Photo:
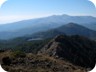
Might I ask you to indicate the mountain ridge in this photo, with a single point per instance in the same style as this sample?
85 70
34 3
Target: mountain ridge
75 49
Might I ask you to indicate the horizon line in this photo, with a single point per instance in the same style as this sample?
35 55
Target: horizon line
25 19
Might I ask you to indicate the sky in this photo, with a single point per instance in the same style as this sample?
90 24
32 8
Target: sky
16 10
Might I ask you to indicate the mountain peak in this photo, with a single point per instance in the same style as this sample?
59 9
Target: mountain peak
65 15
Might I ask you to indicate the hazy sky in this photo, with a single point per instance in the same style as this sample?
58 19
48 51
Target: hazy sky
14 10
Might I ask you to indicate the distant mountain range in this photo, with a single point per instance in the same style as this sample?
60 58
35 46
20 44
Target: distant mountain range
27 27
55 21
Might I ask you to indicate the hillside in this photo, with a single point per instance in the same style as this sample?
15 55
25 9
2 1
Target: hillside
75 49
68 29
24 44
75 29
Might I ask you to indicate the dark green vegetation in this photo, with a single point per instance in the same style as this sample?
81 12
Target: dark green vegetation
23 44
63 53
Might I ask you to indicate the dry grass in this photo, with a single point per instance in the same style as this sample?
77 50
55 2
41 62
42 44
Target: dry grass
39 63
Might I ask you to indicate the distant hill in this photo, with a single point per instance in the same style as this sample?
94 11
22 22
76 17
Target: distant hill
75 29
27 27
68 29
75 49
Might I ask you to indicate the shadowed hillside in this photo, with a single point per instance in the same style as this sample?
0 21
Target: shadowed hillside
75 49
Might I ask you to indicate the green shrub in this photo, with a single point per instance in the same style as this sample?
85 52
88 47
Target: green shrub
18 54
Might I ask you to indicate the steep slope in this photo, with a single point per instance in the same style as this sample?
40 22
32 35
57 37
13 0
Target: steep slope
69 29
75 49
